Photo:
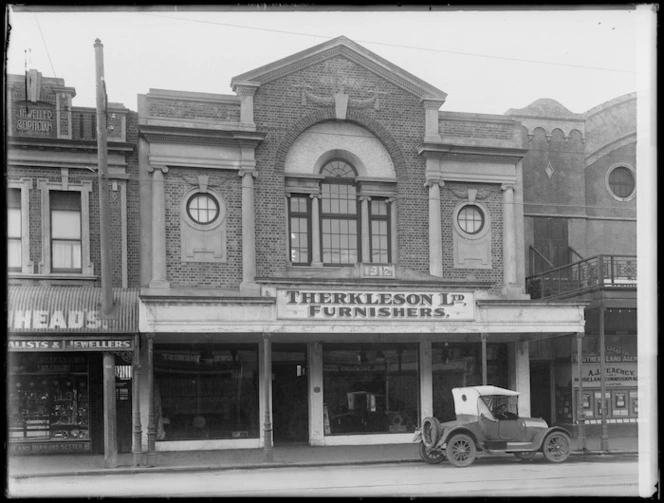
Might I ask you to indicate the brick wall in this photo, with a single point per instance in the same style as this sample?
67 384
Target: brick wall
228 185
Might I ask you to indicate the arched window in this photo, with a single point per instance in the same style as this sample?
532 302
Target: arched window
339 215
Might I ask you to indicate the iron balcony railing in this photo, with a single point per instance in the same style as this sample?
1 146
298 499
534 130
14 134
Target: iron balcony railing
601 271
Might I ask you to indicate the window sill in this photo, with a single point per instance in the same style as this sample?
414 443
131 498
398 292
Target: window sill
19 277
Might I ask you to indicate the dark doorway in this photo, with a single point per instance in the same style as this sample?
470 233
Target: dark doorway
290 393
123 403
540 390
551 240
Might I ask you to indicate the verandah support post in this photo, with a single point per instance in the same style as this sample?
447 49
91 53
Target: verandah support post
110 413
136 446
152 430
579 408
604 439
484 367
267 366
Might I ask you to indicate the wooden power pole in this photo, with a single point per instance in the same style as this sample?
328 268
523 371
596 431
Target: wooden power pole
110 410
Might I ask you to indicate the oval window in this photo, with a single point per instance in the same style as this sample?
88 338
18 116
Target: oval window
470 219
621 182
202 208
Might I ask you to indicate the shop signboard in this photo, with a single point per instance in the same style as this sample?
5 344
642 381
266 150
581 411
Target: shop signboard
623 374
72 446
362 305
69 344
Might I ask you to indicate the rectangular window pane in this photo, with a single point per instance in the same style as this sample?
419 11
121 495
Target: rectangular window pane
206 392
14 254
66 255
372 389
65 224
299 230
65 200
14 222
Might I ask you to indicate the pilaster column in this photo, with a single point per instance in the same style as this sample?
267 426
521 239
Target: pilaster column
366 234
316 260
435 231
248 285
426 379
158 227
110 413
316 405
246 91
509 240
431 107
521 361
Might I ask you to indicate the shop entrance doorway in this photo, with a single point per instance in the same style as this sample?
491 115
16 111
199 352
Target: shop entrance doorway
290 394
540 390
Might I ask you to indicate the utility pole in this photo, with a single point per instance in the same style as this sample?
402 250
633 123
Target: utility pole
110 411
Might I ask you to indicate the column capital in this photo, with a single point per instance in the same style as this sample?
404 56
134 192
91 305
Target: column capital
432 103
508 186
434 180
247 171
315 195
149 336
364 198
246 88
161 167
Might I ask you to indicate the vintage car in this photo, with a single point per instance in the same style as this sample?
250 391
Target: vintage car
487 421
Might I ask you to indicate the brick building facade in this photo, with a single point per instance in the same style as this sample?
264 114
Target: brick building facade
56 336
325 254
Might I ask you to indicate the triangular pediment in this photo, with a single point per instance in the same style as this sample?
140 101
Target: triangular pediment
341 46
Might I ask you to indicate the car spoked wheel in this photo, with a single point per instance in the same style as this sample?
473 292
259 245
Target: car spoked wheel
430 431
461 450
431 456
556 447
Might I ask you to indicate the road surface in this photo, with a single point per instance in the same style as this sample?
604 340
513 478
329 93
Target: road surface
596 476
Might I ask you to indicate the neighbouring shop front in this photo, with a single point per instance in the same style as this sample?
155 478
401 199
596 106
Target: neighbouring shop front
56 342
330 366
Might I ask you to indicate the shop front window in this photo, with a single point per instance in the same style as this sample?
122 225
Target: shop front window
48 402
460 364
372 389
206 392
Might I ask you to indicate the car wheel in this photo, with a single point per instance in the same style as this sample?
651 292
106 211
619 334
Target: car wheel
431 456
461 450
430 431
556 447
525 455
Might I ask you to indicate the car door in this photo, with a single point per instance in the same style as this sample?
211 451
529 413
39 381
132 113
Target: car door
511 429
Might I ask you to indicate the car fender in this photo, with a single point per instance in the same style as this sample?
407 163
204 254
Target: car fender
449 433
539 438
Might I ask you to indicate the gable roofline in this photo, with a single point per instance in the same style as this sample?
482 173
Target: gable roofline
349 49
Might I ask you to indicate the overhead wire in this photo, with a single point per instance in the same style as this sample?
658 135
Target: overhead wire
386 44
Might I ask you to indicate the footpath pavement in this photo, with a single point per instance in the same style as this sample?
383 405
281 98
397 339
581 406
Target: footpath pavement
55 465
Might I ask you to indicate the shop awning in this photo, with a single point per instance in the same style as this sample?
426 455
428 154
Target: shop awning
69 309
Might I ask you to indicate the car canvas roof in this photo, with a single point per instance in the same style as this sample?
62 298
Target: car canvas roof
466 399
488 390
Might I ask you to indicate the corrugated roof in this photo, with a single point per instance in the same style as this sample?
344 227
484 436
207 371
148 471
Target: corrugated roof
69 309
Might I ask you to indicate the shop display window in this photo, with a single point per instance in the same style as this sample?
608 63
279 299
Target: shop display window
460 364
206 391
48 398
370 389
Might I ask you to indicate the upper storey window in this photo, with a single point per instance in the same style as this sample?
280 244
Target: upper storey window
14 230
65 231
202 208
621 182
339 215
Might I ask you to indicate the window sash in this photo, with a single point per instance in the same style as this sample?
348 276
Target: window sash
299 231
66 245
14 254
66 255
380 230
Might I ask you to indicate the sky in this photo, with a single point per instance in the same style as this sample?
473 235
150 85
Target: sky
487 61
